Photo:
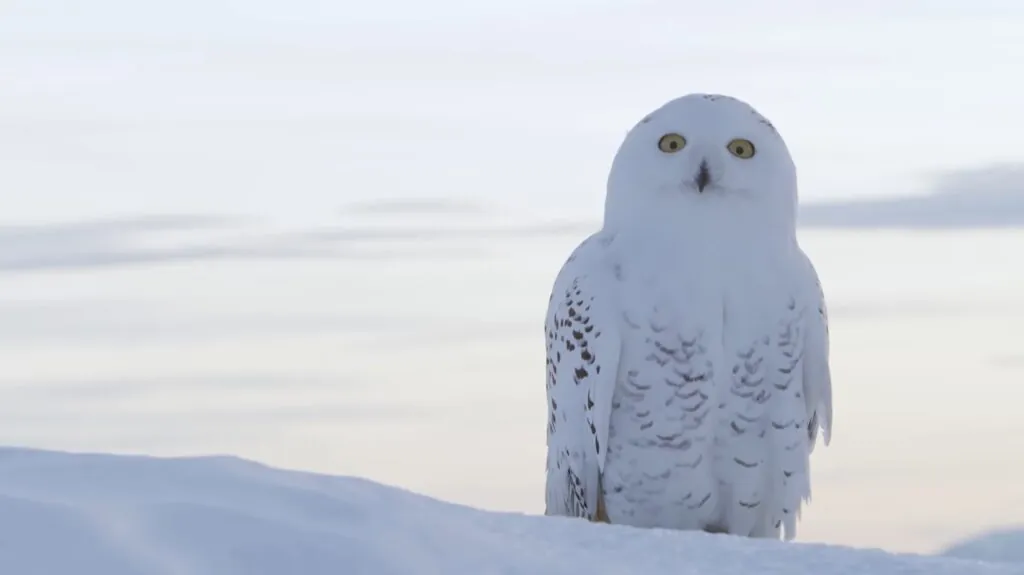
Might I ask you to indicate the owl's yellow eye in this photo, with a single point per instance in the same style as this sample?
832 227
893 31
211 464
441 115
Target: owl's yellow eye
671 143
741 148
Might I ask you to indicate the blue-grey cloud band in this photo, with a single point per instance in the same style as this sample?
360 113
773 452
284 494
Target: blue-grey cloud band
987 197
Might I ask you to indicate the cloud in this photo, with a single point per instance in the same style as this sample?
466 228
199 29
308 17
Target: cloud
365 234
127 323
985 197
129 257
920 309
447 228
988 197
432 221
223 415
414 206
80 391
1009 361
155 239
202 400
99 228
141 240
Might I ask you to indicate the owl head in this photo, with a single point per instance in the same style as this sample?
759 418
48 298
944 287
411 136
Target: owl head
706 163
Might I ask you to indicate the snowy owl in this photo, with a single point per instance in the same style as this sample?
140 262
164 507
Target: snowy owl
687 340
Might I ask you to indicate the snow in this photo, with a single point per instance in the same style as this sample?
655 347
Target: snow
986 197
98 514
1006 545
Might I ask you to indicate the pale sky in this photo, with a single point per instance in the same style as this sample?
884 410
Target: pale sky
290 109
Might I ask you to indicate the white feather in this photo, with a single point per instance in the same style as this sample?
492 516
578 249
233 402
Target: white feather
582 356
817 375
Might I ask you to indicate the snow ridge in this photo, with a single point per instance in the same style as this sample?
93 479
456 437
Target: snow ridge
96 514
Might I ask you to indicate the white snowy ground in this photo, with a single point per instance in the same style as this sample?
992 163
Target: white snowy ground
86 514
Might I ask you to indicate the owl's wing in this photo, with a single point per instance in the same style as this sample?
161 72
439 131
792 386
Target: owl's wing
583 348
817 375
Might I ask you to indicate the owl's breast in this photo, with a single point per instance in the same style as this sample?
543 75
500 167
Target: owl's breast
692 369
662 424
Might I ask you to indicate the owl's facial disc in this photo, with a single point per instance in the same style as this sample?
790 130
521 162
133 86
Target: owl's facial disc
703 176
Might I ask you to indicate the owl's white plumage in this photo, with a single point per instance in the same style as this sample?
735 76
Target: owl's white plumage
687 340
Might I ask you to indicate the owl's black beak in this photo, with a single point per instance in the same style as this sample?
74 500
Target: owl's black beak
703 177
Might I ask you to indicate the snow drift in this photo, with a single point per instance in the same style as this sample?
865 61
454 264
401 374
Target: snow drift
1000 545
126 515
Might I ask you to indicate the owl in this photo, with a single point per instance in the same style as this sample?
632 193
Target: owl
687 340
